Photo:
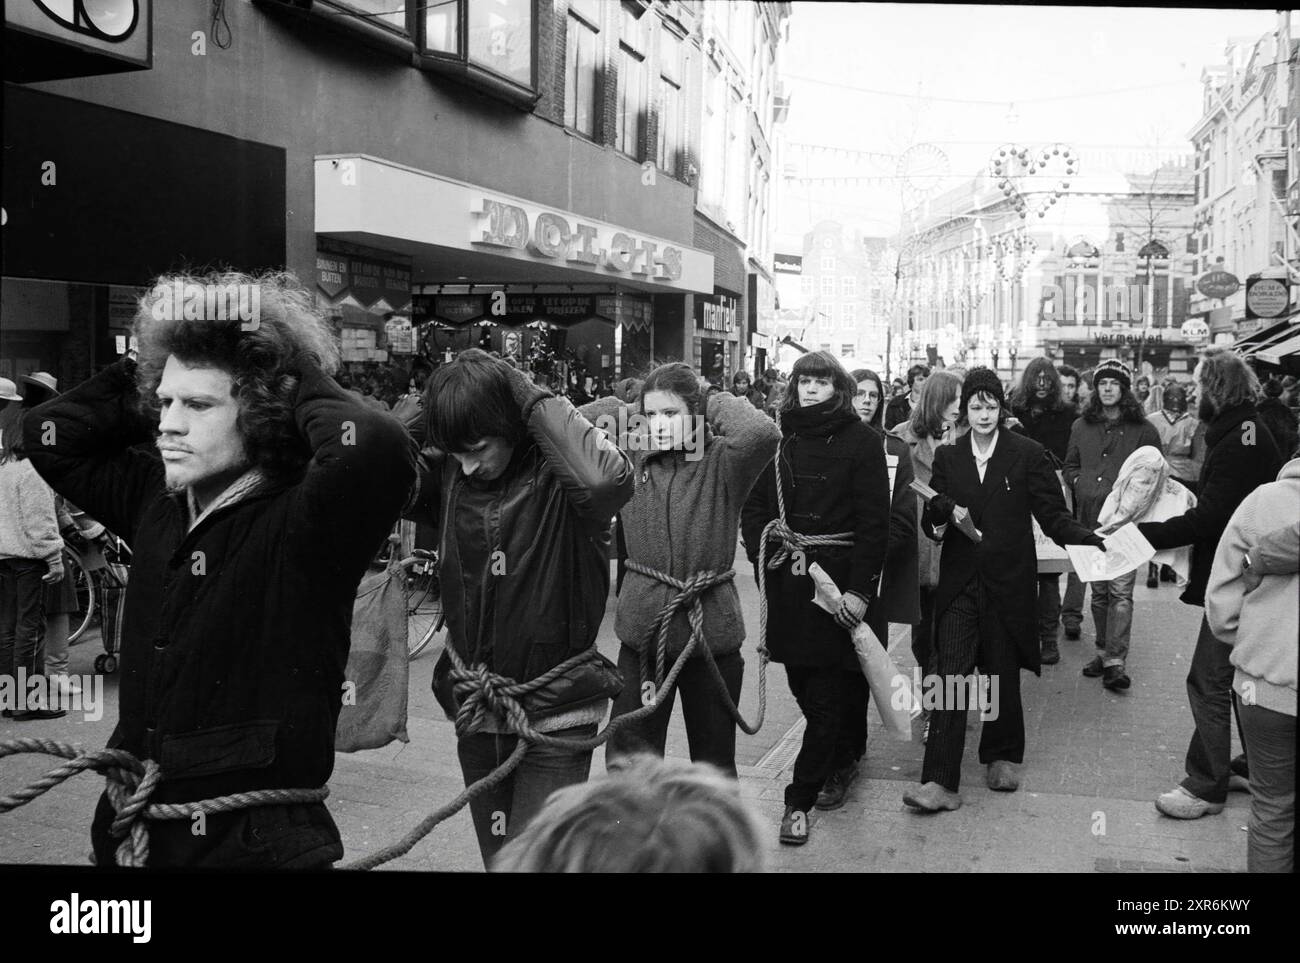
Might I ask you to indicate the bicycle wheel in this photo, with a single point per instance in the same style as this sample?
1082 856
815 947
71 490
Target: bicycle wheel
84 584
423 610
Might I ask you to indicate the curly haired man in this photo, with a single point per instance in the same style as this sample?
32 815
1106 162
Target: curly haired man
250 528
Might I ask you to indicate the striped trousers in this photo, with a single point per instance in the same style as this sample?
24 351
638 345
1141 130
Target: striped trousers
968 634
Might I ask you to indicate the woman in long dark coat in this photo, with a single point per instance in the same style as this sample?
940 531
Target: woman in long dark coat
898 592
834 480
986 600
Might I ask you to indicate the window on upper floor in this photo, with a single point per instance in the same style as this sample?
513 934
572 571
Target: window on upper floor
672 113
848 314
849 286
633 85
828 262
583 67
383 13
490 43
828 285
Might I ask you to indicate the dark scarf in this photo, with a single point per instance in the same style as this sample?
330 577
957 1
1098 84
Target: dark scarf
817 421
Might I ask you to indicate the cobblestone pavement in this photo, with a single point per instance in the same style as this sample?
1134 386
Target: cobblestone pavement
1095 761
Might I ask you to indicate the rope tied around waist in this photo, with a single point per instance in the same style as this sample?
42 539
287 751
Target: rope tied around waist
690 592
130 783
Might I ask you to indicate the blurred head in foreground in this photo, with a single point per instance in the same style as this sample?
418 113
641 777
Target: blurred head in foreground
646 816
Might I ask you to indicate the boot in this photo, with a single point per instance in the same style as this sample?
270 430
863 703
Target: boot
1050 654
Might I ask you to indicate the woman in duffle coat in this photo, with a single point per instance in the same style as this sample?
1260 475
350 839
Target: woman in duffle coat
834 479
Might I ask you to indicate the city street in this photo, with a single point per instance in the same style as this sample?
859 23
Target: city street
1094 762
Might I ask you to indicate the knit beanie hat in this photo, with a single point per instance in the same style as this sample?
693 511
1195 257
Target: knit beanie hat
983 380
1114 368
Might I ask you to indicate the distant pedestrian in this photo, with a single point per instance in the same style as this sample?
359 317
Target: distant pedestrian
1280 419
31 558
997 480
1240 456
1045 417
834 480
1110 429
1250 606
900 409
741 388
935 421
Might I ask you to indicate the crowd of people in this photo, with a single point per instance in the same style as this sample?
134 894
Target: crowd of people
283 482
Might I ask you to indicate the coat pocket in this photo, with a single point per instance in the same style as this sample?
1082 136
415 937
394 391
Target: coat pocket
206 752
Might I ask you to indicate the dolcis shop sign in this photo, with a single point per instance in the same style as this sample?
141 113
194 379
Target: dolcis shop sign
552 236
1218 284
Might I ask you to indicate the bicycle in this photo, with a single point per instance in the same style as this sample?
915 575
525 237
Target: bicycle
420 583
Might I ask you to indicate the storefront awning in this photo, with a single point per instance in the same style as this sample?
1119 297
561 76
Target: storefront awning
1281 352
1268 337
454 232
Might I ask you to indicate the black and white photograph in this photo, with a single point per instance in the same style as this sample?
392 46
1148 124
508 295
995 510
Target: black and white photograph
648 436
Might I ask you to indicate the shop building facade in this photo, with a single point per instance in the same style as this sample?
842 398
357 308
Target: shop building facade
1246 151
1100 269
520 174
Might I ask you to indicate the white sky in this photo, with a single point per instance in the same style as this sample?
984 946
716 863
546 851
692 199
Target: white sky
1092 56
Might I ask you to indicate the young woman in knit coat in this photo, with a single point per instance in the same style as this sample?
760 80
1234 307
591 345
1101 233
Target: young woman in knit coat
692 476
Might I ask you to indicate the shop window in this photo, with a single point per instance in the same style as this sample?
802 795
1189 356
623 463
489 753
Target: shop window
489 43
847 350
582 67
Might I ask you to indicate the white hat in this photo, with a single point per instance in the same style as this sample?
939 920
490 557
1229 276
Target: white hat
44 379
9 391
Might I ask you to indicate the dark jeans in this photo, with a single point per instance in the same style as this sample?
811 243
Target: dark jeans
1072 603
710 730
923 631
832 700
505 809
969 635
1049 606
22 617
1270 739
1209 691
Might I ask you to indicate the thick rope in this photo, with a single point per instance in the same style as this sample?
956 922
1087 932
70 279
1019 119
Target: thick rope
130 784
483 694
690 592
